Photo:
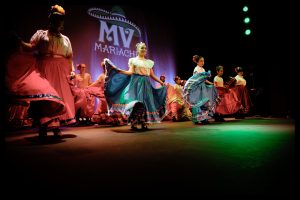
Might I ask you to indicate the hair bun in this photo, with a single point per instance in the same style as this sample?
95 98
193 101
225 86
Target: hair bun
238 69
56 9
139 43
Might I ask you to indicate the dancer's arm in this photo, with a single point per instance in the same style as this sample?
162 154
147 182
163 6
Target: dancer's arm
152 75
208 82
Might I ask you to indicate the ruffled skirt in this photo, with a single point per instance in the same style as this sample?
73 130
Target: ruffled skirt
202 98
134 96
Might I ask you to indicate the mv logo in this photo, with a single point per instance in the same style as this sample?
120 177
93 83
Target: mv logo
114 27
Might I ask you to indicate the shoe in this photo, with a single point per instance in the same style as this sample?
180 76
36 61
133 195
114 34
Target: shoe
116 122
57 133
42 132
134 123
134 127
145 126
174 119
240 116
205 121
219 119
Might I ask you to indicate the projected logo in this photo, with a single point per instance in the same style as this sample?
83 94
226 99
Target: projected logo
116 33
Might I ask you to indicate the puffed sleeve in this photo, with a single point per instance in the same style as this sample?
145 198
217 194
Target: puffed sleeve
36 37
130 62
216 79
195 70
150 63
69 51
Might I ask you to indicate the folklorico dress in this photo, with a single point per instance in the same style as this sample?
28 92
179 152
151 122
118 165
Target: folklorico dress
99 84
170 93
135 94
179 110
101 116
229 101
202 98
26 86
54 52
84 100
242 94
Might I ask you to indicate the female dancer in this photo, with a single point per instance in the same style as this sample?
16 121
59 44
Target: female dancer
131 92
201 97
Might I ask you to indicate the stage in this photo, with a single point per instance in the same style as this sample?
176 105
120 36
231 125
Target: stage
249 157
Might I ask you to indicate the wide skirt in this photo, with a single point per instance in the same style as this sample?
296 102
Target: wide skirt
202 98
124 93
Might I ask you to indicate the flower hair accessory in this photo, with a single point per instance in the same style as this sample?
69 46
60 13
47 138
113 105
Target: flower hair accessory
139 44
56 9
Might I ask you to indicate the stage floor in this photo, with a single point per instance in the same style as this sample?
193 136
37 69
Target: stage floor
249 157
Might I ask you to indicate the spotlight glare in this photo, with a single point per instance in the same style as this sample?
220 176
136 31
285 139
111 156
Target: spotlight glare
247 20
245 8
247 32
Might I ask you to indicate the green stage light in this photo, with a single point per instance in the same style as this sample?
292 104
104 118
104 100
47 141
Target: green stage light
247 32
245 8
247 20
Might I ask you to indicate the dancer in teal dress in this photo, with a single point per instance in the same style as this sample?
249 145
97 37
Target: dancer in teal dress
200 94
131 92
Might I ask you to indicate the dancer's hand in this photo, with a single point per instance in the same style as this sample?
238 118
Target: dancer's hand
72 75
106 60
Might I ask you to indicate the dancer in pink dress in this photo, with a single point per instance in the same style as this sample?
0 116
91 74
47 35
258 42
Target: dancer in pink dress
84 100
170 93
83 79
178 108
229 102
242 93
26 85
55 61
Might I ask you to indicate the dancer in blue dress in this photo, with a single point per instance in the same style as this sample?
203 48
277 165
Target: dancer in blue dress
131 92
200 94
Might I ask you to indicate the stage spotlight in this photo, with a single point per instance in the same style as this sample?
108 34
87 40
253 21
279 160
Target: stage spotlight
246 20
247 32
